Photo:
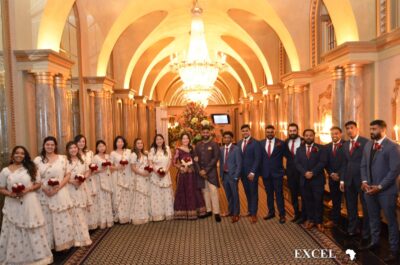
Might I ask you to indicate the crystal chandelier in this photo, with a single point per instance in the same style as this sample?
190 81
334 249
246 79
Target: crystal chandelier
196 70
198 95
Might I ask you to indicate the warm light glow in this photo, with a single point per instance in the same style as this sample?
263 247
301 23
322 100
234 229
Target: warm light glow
396 132
323 129
198 96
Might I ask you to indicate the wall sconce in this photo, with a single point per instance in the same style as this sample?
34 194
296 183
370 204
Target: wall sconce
251 97
265 92
322 130
262 124
131 95
283 127
144 100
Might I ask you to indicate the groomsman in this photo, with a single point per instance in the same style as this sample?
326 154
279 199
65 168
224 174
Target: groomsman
350 180
230 168
380 167
207 152
334 156
251 156
293 176
273 172
310 162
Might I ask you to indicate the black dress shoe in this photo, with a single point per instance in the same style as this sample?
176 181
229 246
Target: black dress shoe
269 216
208 214
295 218
217 218
300 221
393 256
370 246
282 219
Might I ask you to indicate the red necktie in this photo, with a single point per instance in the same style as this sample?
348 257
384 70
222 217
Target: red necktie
334 149
269 148
352 146
226 159
308 151
292 148
244 145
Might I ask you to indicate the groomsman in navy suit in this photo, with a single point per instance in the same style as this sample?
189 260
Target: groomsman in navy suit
230 169
273 172
350 180
293 176
334 161
251 156
380 168
310 162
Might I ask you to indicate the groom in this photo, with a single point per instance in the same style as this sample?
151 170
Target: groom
207 152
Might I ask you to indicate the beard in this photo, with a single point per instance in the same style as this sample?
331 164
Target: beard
309 142
205 138
270 137
376 136
293 136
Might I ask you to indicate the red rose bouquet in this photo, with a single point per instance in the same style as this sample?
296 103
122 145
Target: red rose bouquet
18 187
80 178
93 167
161 172
148 169
106 164
123 162
187 161
53 182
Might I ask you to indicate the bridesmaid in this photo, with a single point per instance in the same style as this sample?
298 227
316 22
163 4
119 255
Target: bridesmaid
87 156
78 171
161 194
54 196
122 180
23 232
189 203
140 208
103 185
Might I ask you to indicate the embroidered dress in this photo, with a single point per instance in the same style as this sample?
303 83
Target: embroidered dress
123 177
140 208
81 200
57 208
104 193
161 194
23 237
91 185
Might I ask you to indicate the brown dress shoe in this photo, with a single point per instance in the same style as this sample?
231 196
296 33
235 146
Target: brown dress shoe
253 219
235 218
309 225
320 228
330 224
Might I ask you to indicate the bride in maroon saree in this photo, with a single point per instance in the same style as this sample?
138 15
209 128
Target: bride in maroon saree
189 203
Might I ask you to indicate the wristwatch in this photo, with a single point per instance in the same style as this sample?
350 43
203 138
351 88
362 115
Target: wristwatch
380 187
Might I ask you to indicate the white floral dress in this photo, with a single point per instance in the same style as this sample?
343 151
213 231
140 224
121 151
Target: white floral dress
140 207
104 215
161 194
122 178
81 200
23 237
91 184
56 209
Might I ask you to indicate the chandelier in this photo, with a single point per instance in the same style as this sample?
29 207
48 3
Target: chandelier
198 95
197 70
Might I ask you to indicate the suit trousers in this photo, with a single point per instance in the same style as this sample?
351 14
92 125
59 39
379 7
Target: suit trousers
336 195
313 195
388 203
274 186
251 190
210 193
295 192
232 194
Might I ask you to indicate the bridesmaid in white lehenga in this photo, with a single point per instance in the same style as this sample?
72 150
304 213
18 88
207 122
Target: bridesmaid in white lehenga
87 156
54 196
140 207
122 180
78 172
161 194
23 232
104 188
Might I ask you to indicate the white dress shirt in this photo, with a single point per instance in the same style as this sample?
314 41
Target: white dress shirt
297 143
272 144
247 139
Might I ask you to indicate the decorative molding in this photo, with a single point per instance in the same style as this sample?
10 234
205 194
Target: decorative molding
297 78
98 83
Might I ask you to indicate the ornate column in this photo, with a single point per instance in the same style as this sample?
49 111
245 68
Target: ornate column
109 115
338 97
100 116
353 92
162 121
142 121
307 107
290 103
4 124
272 111
298 106
73 101
152 120
246 111
63 113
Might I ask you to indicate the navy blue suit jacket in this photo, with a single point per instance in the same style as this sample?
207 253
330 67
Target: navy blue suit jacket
251 157
351 163
334 162
234 162
272 166
315 164
290 163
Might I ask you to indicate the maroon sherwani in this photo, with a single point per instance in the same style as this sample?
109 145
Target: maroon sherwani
208 156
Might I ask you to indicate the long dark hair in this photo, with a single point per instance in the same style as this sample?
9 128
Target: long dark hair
138 152
78 138
97 144
116 140
43 152
190 139
27 163
78 155
154 145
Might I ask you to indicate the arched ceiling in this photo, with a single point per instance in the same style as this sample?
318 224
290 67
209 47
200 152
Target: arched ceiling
142 34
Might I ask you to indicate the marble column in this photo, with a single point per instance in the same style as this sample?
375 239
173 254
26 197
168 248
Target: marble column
73 98
4 124
45 107
63 116
255 119
290 104
272 111
110 120
100 117
353 93
338 97
298 106
152 120
142 123
246 111
307 107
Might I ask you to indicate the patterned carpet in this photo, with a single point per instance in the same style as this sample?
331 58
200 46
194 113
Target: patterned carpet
207 242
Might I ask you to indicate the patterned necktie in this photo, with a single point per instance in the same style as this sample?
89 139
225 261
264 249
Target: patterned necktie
308 151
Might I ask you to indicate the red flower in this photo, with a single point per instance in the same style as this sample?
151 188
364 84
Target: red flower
339 145
93 167
80 178
124 162
357 145
161 172
148 169
278 144
106 164
18 187
187 159
53 182
314 149
377 146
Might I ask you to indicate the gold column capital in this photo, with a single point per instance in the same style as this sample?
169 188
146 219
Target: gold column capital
59 81
44 78
338 73
353 69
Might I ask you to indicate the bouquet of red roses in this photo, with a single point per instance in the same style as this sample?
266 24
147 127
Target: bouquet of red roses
187 161
53 182
123 162
93 167
80 178
161 172
18 187
148 168
106 164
